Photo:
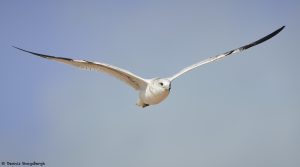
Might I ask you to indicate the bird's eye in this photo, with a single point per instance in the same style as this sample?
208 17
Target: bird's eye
161 84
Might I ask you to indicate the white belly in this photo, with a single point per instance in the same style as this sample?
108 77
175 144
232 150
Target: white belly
153 96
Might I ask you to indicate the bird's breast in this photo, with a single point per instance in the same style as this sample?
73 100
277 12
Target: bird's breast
153 95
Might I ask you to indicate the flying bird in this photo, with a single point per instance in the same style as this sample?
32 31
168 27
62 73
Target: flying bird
151 91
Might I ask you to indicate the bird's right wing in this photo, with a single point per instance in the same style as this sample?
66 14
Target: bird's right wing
221 56
129 78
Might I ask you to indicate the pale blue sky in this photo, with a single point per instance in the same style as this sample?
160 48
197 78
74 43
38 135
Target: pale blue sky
242 111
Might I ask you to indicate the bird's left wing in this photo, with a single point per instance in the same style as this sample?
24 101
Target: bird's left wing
129 78
221 56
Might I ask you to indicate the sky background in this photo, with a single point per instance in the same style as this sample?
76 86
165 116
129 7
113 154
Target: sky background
241 111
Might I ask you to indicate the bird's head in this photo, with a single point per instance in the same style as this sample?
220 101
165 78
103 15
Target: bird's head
165 84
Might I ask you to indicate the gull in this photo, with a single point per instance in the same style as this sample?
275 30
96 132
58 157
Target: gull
151 91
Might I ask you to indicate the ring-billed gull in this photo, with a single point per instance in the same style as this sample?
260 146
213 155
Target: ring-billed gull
151 91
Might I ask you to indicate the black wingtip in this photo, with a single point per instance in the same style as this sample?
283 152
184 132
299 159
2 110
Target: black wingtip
21 49
37 54
281 28
277 31
42 55
16 47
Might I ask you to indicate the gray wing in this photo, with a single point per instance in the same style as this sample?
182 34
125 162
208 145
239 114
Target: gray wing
129 78
221 56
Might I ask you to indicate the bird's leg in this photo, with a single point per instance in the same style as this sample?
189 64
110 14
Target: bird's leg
141 103
145 105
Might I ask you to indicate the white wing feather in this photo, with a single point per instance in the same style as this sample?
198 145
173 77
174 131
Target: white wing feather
129 78
221 56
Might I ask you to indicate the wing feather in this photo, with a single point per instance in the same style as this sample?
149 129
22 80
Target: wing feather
129 78
221 56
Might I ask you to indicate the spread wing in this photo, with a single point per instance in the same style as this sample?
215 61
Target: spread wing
129 78
221 56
